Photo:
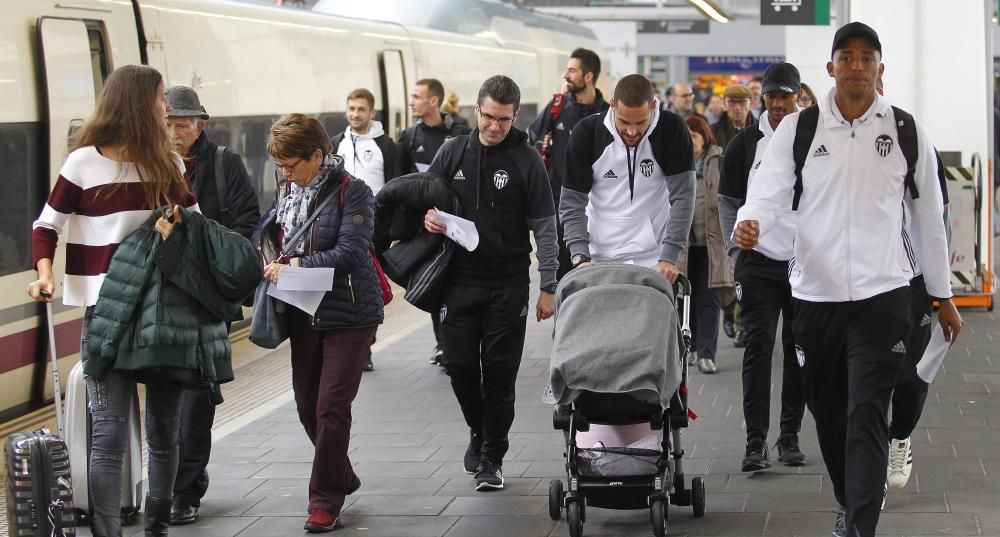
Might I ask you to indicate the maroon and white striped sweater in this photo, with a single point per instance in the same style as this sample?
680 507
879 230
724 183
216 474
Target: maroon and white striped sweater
97 202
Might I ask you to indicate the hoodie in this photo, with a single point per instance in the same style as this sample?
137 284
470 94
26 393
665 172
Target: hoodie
505 191
367 156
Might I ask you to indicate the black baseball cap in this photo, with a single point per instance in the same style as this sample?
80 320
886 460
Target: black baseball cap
855 29
781 76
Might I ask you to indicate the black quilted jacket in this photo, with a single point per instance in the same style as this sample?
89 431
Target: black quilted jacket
341 237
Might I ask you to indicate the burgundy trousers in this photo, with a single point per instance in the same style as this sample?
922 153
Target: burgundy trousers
326 374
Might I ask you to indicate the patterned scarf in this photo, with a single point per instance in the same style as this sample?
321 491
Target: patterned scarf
293 209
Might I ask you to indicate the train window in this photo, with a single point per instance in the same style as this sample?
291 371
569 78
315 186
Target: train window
98 54
25 190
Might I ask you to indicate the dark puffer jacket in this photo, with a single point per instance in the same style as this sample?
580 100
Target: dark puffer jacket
419 261
341 237
165 303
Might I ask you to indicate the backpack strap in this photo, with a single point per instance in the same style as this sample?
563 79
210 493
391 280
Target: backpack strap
343 186
220 186
558 102
805 131
906 132
596 149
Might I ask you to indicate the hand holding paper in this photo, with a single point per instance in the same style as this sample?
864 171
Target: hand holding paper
458 229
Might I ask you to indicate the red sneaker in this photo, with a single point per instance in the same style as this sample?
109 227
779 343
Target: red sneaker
321 521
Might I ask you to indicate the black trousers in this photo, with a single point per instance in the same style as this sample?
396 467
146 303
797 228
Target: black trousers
436 323
483 339
911 391
705 309
764 294
195 442
851 354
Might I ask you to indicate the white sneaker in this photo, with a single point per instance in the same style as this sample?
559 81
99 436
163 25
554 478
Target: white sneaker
900 463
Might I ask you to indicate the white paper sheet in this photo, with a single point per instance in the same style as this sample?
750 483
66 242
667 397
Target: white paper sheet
460 230
307 301
305 279
934 354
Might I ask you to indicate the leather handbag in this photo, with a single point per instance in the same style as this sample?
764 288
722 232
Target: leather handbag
268 326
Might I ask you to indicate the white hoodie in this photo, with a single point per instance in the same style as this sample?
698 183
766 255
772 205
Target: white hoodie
362 156
850 243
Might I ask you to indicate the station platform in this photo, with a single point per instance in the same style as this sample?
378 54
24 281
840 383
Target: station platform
409 438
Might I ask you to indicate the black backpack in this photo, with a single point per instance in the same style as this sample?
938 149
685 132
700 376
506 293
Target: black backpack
906 132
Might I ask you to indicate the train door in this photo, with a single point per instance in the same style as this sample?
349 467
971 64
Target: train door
395 110
75 62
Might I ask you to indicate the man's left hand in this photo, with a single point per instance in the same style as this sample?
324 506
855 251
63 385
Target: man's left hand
668 269
546 306
951 321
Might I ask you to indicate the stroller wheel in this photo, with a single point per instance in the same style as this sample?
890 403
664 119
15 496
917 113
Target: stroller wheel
555 499
574 518
698 496
658 516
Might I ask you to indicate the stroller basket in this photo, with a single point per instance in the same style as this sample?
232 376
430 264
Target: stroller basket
618 462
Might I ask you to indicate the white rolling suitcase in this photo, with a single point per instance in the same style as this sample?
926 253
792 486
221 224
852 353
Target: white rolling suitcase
77 438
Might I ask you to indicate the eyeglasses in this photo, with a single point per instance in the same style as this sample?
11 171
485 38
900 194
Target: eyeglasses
505 120
287 167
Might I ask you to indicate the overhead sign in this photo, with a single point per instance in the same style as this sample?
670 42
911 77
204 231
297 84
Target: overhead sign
672 26
795 12
731 64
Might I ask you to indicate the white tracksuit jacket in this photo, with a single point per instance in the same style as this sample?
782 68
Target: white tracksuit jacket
362 157
850 243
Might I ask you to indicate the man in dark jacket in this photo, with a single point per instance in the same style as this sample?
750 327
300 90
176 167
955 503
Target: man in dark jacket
231 201
417 147
551 129
504 191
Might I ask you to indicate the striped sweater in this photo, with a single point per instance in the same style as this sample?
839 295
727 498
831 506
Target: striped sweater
97 202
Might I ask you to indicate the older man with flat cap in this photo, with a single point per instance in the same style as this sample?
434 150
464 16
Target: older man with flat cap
225 194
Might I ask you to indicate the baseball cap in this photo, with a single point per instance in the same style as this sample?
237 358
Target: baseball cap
781 76
737 91
185 103
855 29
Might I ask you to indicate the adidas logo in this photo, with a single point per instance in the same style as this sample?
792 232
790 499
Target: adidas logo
459 176
926 320
524 311
420 149
560 127
610 174
899 347
821 152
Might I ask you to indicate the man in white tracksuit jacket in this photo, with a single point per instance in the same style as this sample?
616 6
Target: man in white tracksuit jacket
852 265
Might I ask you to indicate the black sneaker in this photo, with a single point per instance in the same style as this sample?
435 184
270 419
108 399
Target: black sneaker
788 450
840 524
369 365
489 477
472 454
437 355
741 339
756 456
728 325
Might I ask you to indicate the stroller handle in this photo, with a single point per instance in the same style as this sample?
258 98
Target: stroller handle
682 287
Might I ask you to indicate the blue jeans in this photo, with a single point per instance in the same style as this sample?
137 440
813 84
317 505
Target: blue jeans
110 399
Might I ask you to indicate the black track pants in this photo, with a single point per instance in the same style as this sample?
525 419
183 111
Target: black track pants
911 391
195 445
851 354
483 340
765 294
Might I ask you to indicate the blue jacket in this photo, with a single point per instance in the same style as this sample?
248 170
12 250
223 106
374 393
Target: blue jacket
341 237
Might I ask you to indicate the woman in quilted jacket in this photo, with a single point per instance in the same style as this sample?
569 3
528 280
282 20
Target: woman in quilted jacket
329 347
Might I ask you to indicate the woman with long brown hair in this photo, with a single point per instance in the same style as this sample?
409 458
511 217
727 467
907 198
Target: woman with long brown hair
121 169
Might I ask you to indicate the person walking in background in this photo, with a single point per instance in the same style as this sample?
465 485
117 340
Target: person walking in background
705 260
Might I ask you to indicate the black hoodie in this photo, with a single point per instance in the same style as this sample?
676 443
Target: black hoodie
505 191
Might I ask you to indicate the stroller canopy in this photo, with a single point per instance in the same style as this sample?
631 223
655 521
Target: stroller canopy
616 331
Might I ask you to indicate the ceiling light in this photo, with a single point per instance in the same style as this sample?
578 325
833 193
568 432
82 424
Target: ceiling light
710 10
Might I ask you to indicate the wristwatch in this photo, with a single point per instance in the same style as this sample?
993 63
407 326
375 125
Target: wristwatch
577 259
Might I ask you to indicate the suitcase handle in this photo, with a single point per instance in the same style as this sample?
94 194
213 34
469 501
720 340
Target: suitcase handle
54 355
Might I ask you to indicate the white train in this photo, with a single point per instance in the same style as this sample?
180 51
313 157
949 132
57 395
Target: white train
250 62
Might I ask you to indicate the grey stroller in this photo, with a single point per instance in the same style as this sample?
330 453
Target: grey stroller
619 358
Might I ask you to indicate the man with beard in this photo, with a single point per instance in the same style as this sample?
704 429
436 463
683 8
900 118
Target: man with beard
225 194
551 129
761 277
